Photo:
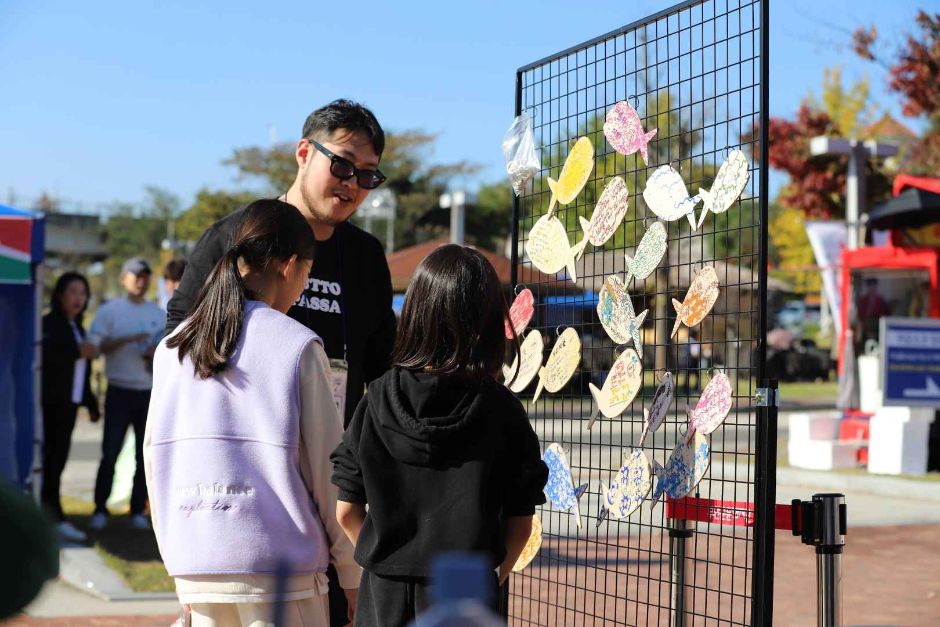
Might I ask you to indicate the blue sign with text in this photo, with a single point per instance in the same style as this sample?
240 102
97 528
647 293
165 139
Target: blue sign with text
911 361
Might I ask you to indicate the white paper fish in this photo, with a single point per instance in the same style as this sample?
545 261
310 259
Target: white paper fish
574 174
699 300
621 386
548 248
624 130
628 487
561 363
607 216
667 196
684 469
530 355
648 254
560 486
729 183
616 313
659 407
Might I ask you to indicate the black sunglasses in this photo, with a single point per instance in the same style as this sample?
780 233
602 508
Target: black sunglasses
344 169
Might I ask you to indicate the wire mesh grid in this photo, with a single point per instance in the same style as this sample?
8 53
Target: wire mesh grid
693 72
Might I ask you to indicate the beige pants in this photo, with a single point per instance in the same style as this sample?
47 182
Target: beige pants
311 612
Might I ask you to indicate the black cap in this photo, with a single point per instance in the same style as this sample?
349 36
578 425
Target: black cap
136 265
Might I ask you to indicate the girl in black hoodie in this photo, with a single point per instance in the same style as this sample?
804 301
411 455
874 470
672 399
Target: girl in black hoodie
442 453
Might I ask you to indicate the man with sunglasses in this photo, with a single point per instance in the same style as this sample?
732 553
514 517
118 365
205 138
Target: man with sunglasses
348 298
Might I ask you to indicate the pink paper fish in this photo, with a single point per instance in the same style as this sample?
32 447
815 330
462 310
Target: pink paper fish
624 131
713 406
520 313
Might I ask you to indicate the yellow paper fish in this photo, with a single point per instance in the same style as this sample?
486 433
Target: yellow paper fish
699 300
574 174
561 363
532 546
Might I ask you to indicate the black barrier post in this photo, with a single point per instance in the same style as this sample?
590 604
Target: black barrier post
822 523
679 536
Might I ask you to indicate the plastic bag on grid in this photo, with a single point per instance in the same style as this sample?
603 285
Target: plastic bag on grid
522 161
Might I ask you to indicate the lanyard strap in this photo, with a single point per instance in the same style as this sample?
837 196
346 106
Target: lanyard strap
342 289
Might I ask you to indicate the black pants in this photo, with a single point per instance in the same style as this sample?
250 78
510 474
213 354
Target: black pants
396 601
122 408
58 423
390 601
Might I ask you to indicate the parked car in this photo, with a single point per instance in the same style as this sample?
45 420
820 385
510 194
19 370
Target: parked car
796 360
795 314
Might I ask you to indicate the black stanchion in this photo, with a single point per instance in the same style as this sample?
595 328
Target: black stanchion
679 536
822 523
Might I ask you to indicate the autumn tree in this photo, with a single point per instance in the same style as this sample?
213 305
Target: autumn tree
817 184
913 72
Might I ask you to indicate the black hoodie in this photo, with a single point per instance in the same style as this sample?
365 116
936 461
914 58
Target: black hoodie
442 463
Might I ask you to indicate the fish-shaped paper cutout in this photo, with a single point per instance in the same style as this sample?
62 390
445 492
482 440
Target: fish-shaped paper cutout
530 354
520 313
615 310
667 196
628 487
713 405
698 301
654 416
607 216
624 131
531 548
621 386
648 254
560 486
548 248
685 468
561 363
574 174
729 183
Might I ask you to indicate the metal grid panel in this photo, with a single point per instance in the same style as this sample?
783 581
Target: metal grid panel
696 73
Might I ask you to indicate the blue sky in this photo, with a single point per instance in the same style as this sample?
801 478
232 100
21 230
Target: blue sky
104 98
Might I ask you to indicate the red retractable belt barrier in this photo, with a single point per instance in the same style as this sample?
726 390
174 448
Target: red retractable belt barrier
735 513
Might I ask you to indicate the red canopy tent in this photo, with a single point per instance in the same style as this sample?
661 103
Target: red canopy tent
885 258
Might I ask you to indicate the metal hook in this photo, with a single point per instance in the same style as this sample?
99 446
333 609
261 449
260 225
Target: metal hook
663 373
517 290
557 332
636 99
533 108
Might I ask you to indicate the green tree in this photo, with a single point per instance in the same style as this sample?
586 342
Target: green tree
137 231
209 207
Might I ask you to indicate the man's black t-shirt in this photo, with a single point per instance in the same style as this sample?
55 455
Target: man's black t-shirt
321 305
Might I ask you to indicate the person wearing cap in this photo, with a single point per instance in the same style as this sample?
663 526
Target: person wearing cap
126 331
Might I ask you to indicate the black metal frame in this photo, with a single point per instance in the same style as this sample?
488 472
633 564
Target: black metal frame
710 57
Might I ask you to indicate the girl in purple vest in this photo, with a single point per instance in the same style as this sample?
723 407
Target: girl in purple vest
241 424
441 452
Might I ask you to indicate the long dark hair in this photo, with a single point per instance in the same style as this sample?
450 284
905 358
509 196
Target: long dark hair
269 231
63 284
452 321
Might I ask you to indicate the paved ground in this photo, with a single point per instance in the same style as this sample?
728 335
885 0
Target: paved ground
891 571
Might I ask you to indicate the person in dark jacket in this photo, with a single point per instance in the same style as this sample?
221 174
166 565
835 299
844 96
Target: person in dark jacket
440 451
66 386
348 297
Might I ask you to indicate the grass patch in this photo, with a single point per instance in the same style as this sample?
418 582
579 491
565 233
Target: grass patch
824 391
130 552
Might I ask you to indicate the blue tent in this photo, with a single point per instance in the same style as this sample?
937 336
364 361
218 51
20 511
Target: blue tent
22 249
